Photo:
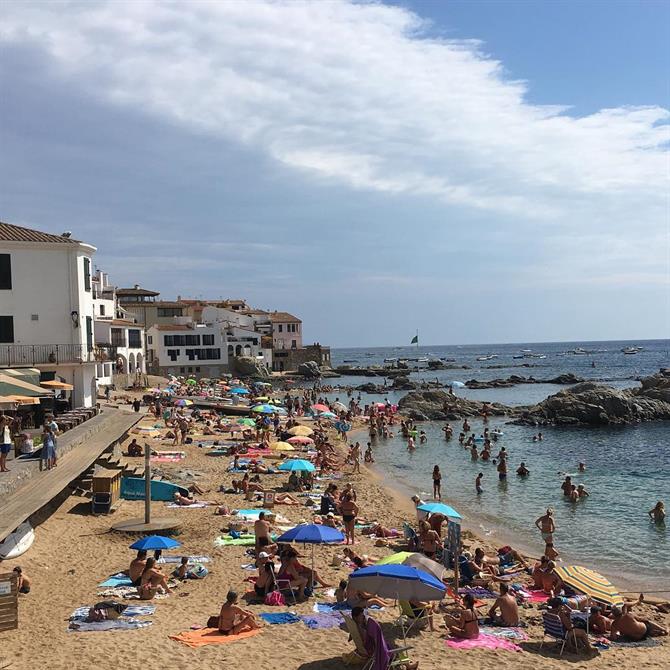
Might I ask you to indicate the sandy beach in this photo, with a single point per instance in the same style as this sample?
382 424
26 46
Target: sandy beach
74 552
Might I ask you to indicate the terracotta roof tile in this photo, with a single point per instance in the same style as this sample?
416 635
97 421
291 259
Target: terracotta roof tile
11 233
282 317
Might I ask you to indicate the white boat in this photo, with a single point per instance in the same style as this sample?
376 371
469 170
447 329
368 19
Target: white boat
18 542
631 350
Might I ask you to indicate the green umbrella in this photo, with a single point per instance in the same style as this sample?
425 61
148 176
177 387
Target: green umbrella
246 422
191 382
394 559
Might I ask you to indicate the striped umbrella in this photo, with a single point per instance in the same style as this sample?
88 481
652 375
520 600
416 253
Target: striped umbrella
590 583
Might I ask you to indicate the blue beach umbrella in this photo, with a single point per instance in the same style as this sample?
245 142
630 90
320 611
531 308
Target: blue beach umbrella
297 465
327 415
264 409
155 542
440 508
239 391
312 533
401 582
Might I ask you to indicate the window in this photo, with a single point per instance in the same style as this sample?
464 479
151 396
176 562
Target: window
134 339
6 329
294 344
169 311
5 272
89 332
203 354
87 274
102 310
191 340
118 337
150 339
208 340
197 369
182 370
280 328
173 354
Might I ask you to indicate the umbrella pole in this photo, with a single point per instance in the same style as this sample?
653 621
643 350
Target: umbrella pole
147 484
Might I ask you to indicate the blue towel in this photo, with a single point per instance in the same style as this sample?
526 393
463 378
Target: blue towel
322 620
117 580
280 617
324 608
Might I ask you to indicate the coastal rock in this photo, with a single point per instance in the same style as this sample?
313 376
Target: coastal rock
309 369
404 384
439 406
436 365
513 380
245 366
370 387
590 403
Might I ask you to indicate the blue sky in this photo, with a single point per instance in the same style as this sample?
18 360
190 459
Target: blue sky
482 171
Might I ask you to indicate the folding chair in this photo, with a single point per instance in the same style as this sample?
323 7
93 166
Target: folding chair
285 585
398 655
407 615
553 627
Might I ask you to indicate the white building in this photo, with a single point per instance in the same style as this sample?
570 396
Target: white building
46 307
119 339
187 348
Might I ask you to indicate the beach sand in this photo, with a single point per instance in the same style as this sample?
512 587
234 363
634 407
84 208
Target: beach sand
74 551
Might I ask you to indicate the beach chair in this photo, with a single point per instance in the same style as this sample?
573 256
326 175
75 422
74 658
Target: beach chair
554 628
398 655
284 585
407 616
411 537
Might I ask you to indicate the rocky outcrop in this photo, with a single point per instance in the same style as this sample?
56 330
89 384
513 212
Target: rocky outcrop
513 380
371 387
404 384
441 406
594 404
245 366
309 369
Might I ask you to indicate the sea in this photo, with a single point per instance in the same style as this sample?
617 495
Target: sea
627 468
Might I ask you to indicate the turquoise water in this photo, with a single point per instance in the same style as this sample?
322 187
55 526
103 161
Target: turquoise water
628 469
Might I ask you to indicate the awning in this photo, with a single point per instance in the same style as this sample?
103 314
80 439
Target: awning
13 385
30 375
56 384
18 400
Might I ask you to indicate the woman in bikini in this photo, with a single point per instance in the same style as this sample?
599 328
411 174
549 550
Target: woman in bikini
233 620
288 573
349 511
465 626
152 581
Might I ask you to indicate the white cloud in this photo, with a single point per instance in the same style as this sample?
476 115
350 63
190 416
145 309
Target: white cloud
362 94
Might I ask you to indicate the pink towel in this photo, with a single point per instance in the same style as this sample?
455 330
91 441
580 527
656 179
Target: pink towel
483 642
537 596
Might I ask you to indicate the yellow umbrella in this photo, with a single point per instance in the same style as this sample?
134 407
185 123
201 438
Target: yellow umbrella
304 431
590 583
282 446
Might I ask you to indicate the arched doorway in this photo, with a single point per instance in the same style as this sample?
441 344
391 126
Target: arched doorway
139 363
238 350
131 364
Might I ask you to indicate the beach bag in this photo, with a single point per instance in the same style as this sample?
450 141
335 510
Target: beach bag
275 598
197 572
213 622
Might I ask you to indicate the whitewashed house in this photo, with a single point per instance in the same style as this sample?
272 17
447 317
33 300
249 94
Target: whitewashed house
187 348
46 308
119 339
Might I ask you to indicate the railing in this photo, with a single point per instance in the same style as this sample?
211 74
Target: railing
53 354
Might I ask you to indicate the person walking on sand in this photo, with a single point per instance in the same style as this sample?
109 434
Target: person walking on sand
349 511
437 483
546 525
356 458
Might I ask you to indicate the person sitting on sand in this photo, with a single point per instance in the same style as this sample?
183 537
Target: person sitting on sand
182 571
599 624
351 555
135 449
627 628
658 513
505 557
137 566
551 582
509 610
233 620
465 626
574 635
286 499
152 581
539 570
381 531
23 582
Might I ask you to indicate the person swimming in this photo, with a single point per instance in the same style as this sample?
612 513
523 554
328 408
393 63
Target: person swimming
657 514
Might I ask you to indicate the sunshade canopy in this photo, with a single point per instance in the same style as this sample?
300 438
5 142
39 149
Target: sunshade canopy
297 465
440 508
155 542
312 533
301 430
14 385
590 583
398 581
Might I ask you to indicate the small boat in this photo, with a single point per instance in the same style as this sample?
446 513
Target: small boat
353 360
390 360
18 542
519 356
631 350
132 488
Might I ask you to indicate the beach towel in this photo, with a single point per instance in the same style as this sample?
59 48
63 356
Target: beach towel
477 592
280 617
177 559
315 621
508 633
537 596
243 541
483 642
130 611
326 608
649 642
119 579
191 506
199 638
119 592
116 624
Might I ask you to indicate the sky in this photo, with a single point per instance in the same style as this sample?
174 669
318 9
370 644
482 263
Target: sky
482 171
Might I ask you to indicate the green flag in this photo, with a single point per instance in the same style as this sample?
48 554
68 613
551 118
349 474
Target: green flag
415 340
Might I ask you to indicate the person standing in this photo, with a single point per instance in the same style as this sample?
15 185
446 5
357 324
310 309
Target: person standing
437 483
137 404
5 442
478 483
356 457
546 525
48 456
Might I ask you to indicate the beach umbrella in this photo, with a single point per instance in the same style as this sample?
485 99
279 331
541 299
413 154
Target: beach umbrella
414 560
246 422
590 583
342 426
327 415
279 410
340 407
401 582
320 408
191 382
312 533
281 446
297 465
394 559
300 439
263 409
457 385
261 398
440 508
183 403
239 391
155 542
305 431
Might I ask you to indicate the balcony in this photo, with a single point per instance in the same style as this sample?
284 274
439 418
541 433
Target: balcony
53 354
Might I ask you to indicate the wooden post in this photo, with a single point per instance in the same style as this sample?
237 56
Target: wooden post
147 484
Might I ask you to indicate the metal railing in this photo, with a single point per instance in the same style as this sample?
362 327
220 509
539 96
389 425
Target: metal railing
53 354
